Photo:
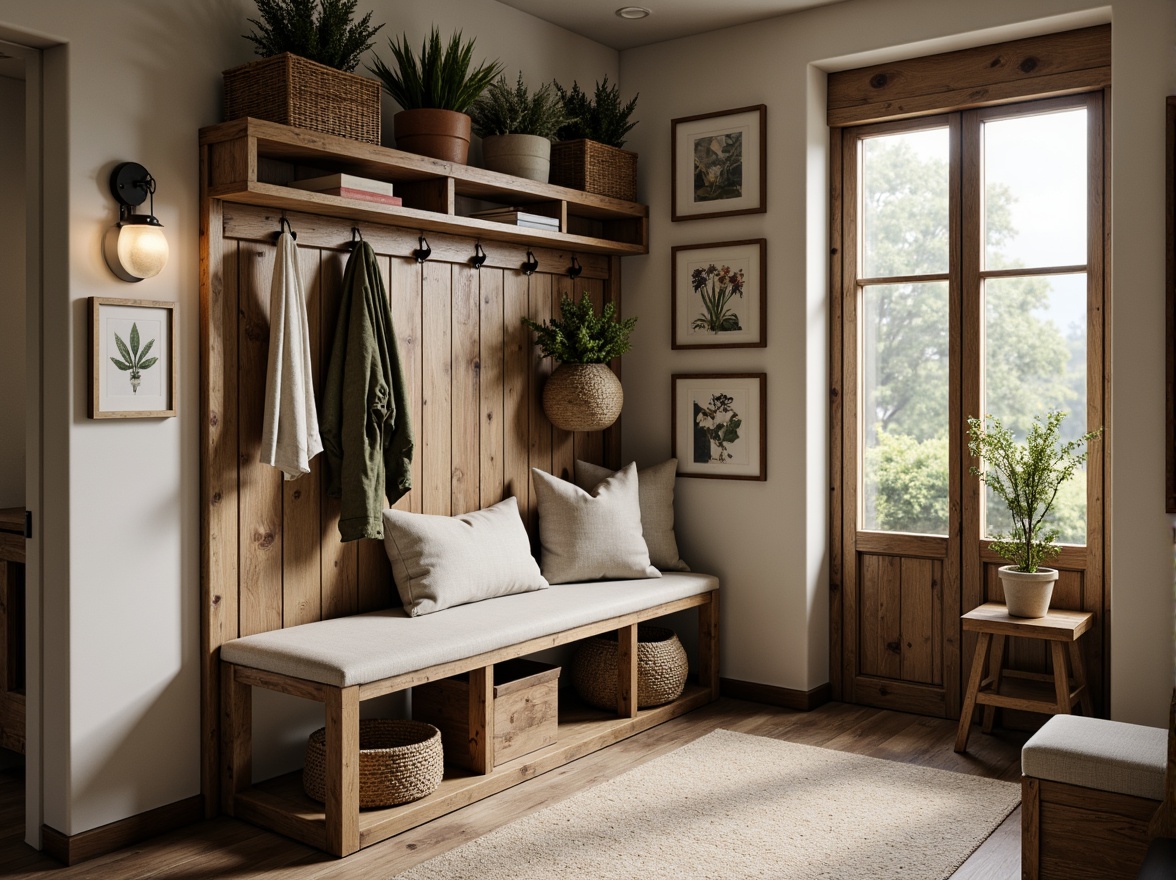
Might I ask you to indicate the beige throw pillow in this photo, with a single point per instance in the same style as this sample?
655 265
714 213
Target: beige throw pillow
655 491
442 561
591 536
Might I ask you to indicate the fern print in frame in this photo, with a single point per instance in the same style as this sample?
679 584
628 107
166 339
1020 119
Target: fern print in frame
132 358
719 425
719 295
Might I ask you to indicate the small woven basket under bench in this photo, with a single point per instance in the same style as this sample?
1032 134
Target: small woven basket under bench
661 668
399 761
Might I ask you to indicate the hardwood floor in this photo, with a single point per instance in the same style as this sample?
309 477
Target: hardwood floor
228 848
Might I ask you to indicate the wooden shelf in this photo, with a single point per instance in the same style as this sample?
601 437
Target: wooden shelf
250 161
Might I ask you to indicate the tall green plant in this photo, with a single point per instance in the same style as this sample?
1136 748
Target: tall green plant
579 336
441 78
506 110
1027 478
321 30
600 118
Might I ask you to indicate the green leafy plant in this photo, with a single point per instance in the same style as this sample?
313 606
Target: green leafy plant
505 110
579 336
1026 476
718 423
321 30
134 360
441 78
600 118
717 287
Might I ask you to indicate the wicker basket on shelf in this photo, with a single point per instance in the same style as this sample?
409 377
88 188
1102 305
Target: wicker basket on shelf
399 761
594 167
296 91
661 668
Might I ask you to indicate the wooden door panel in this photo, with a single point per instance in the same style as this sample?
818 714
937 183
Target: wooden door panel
900 618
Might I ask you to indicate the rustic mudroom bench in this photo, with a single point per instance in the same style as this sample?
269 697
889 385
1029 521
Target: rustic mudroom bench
344 661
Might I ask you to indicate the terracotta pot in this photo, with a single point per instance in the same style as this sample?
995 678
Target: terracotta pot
521 155
438 134
583 397
1027 593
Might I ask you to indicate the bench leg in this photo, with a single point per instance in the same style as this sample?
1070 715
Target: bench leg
1030 828
236 737
481 719
627 671
342 772
708 645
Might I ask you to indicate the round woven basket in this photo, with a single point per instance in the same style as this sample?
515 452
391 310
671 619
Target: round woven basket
661 668
399 761
582 397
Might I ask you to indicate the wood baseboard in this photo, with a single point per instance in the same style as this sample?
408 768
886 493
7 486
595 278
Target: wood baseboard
71 849
803 701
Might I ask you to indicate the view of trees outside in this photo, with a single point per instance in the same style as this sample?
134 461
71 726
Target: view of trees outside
1034 326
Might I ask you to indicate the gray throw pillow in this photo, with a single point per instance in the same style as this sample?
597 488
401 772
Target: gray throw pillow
655 492
591 536
442 561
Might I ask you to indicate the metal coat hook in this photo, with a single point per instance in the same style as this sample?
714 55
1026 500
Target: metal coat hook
479 256
423 251
531 265
575 269
284 226
356 238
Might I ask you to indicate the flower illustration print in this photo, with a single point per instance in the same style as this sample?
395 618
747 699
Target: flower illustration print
717 287
716 428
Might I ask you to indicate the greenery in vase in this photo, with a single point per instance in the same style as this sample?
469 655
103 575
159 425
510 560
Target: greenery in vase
134 360
1026 476
441 78
579 336
320 30
709 421
600 118
717 287
506 110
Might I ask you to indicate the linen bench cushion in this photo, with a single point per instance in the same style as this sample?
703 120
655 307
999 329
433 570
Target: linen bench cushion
363 648
1100 754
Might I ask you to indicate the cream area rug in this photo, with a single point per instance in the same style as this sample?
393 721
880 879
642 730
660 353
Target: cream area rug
730 806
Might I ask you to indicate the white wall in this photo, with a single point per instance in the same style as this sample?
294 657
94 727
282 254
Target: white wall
768 541
122 701
12 293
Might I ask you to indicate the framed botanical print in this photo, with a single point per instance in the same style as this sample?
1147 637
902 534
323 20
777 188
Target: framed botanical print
1170 313
719 295
720 425
132 358
719 164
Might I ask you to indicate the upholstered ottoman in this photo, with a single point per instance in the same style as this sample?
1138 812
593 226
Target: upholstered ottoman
1088 790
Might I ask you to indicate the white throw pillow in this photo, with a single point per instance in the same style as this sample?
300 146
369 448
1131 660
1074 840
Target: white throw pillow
655 492
591 536
442 561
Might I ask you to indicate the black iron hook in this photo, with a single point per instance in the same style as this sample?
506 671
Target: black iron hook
531 265
575 269
423 251
356 238
284 226
479 256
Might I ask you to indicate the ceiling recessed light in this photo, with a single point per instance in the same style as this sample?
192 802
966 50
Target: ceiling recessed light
633 12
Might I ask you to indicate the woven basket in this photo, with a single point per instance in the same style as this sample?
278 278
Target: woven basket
583 397
399 761
661 668
296 91
596 168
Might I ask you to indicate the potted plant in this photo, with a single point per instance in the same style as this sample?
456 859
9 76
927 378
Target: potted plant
1026 477
435 91
517 127
308 49
588 154
583 394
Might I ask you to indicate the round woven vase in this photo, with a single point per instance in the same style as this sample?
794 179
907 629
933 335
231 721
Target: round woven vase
438 134
661 668
399 761
583 397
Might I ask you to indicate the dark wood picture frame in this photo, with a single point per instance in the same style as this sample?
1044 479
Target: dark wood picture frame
106 404
1170 311
753 437
687 131
753 303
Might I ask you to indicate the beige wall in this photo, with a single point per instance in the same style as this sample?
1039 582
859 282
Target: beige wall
768 541
12 293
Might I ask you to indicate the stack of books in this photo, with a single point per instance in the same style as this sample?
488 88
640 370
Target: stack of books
520 218
349 186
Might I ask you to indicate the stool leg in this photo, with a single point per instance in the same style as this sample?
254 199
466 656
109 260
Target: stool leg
994 670
978 662
1061 678
1079 671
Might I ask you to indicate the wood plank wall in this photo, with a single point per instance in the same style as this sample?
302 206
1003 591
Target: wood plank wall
273 557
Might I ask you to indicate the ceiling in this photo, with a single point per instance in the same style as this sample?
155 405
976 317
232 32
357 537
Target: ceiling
668 19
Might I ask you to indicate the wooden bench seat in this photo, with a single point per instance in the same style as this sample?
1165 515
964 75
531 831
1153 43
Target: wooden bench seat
344 661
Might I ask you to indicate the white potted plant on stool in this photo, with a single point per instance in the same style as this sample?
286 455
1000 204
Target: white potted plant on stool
1027 478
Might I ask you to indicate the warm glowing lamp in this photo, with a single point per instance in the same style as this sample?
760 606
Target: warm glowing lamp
136 248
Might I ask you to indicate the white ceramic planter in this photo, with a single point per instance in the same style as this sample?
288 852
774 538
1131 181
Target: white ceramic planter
1027 593
520 155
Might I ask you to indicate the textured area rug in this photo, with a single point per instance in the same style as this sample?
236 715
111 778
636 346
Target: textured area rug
730 806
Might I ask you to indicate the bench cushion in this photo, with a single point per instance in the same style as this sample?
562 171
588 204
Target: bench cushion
1100 754
369 647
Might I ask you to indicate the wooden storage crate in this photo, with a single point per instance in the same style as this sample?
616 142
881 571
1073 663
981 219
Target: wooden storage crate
526 704
593 167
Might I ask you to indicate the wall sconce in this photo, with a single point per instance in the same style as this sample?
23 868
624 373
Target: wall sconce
136 248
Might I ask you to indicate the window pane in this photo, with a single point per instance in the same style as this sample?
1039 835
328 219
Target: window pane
1035 190
904 416
904 204
1034 361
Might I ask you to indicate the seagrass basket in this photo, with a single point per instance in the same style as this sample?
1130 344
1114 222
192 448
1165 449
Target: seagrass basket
661 668
296 91
399 761
583 397
594 167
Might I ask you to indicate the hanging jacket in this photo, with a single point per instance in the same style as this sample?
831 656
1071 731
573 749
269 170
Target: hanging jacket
365 426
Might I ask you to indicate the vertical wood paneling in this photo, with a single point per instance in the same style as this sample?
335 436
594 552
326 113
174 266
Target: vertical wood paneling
917 628
466 393
868 621
436 437
539 298
404 283
517 356
938 649
491 422
260 500
563 454
880 620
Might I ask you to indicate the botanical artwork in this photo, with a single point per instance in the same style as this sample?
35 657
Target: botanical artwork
134 359
719 297
719 425
716 430
716 287
718 167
